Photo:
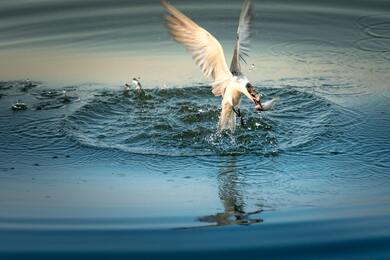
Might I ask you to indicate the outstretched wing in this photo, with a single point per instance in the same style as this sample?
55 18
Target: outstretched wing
241 49
205 49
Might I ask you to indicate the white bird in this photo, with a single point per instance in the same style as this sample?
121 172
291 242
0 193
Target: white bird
209 56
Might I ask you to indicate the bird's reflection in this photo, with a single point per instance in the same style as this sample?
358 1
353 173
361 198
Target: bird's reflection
231 191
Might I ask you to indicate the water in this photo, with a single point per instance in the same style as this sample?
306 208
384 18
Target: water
148 175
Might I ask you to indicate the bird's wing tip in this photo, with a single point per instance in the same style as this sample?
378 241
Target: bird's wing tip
165 4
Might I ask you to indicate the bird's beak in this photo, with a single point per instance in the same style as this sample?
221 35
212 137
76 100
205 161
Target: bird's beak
251 98
254 97
252 94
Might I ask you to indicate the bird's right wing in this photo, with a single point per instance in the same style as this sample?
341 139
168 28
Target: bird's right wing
205 49
241 48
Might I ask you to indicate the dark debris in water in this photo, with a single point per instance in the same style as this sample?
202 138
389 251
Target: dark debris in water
19 85
19 106
27 86
53 98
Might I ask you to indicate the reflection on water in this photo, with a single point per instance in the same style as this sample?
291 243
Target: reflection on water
231 192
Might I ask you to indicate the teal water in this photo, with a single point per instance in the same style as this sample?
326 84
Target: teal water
107 174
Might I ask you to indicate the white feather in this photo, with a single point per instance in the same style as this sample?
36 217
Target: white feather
205 49
208 54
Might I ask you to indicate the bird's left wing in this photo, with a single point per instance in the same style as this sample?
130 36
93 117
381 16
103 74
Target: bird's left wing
205 49
243 36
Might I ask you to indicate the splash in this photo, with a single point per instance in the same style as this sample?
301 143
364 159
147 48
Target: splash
183 122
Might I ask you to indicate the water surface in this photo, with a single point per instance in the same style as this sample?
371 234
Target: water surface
108 173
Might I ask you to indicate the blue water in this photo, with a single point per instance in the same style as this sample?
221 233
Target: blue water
105 173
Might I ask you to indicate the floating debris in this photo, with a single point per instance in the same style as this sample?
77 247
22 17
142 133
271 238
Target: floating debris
126 90
66 98
138 85
19 105
27 85
53 99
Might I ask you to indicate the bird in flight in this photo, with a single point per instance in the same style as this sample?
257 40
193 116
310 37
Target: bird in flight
208 54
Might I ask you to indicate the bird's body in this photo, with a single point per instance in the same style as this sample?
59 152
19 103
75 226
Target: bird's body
231 100
208 54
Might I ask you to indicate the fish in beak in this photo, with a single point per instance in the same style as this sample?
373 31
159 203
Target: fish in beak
255 97
266 105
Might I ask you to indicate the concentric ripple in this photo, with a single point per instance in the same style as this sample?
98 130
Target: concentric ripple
307 50
376 29
183 122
